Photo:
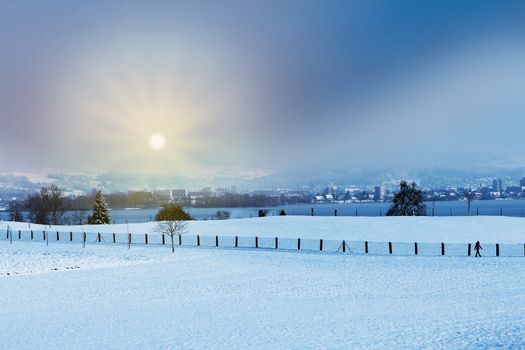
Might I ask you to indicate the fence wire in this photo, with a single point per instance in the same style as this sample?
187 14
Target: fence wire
268 243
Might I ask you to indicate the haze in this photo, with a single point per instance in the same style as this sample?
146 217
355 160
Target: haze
245 87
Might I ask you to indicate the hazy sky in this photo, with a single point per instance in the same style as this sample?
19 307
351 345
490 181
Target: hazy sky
255 87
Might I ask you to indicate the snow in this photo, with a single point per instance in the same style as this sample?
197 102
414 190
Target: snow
63 296
487 229
148 297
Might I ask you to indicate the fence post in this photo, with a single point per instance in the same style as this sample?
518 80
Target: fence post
477 211
129 240
236 241
46 238
469 248
497 249
450 211
366 247
320 245
442 248
298 244
256 242
70 236
163 239
335 212
98 237
180 240
19 234
58 237
216 241
84 239
276 243
344 246
198 241
312 211
32 235
146 238
500 211
415 248
390 247
43 235
11 237
356 212
114 240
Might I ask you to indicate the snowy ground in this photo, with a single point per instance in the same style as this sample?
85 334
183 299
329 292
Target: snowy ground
63 296
487 229
238 299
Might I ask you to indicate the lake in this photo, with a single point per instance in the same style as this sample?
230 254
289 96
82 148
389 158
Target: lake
446 208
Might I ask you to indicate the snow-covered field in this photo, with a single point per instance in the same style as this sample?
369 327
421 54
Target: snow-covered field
487 229
237 299
63 296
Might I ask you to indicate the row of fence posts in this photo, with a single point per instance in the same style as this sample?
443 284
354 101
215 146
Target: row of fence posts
432 212
343 247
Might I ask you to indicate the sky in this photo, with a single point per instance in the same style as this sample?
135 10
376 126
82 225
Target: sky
252 88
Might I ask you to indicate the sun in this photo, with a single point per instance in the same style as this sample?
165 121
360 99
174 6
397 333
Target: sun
157 141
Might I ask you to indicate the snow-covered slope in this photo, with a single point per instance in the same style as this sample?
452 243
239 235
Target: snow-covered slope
488 229
149 298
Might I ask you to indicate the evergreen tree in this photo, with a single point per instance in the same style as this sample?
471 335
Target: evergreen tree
407 202
100 211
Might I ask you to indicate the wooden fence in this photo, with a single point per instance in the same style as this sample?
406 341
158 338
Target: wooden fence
267 243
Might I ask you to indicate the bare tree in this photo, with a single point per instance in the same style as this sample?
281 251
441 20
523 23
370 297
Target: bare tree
53 196
15 212
469 196
47 206
172 228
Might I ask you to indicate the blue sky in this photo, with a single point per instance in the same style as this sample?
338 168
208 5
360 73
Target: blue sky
246 87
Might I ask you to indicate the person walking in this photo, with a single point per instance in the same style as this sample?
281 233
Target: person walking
477 247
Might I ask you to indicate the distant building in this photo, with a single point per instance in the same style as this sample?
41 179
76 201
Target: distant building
179 193
164 195
513 190
377 193
319 199
497 185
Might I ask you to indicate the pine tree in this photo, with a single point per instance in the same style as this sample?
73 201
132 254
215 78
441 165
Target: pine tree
100 211
407 202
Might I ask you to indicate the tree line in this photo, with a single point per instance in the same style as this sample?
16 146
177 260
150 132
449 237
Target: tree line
49 206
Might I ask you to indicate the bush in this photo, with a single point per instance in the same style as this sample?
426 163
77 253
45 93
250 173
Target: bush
170 212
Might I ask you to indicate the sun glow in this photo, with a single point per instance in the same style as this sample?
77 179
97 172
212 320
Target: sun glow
157 142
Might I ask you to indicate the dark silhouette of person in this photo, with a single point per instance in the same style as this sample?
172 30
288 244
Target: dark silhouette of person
477 247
